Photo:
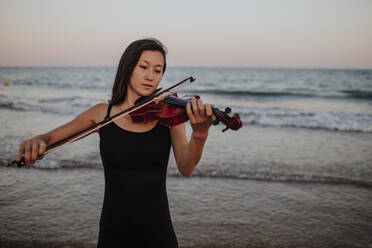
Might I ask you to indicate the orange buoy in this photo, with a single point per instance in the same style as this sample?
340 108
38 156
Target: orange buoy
6 83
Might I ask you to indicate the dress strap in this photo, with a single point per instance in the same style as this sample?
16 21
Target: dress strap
108 110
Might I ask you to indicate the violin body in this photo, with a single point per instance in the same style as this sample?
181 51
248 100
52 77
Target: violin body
172 111
167 114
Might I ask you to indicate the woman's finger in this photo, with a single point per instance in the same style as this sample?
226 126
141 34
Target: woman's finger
35 152
201 107
194 107
27 153
42 148
189 113
208 110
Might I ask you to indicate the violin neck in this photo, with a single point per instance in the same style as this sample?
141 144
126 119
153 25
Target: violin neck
176 101
182 102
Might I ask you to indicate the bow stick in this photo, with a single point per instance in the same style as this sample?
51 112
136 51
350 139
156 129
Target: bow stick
156 96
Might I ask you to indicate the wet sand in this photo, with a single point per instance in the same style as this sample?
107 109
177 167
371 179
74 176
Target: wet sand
61 208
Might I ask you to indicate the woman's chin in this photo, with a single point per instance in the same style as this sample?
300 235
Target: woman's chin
147 91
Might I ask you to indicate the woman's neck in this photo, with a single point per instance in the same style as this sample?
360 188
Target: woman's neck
129 100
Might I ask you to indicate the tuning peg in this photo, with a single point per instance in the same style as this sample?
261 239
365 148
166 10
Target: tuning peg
215 122
228 110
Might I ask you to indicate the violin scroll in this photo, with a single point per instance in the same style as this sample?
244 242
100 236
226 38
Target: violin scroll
233 123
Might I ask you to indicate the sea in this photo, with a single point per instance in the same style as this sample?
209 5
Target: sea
298 173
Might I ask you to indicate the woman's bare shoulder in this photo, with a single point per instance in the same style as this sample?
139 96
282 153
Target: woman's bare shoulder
95 113
100 107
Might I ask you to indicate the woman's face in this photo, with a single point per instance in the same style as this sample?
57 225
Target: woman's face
147 74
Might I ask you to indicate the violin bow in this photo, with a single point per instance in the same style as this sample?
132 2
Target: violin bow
156 96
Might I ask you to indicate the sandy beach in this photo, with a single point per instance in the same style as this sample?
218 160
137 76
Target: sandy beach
61 208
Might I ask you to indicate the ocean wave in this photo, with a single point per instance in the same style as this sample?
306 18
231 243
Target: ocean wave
333 121
60 99
23 106
306 93
260 176
60 106
40 82
314 127
250 93
363 94
277 177
9 105
67 81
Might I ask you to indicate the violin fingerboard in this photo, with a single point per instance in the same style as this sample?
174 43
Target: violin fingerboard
175 101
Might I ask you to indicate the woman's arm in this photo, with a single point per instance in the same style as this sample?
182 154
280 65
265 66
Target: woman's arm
188 153
35 147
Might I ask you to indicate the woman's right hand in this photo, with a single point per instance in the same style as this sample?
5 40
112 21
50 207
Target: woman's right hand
32 150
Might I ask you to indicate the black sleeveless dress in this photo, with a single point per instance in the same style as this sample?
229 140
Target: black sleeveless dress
135 210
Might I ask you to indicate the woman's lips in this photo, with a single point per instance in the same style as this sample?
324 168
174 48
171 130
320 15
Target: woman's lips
147 85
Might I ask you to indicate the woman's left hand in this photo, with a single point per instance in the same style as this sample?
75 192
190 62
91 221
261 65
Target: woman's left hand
201 117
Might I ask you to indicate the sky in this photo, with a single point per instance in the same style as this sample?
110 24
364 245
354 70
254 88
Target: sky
247 33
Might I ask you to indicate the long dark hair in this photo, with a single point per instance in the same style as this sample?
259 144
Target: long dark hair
129 61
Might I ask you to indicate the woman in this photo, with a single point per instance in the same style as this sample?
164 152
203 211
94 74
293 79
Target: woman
135 210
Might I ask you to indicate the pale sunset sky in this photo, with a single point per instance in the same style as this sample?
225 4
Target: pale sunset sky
247 33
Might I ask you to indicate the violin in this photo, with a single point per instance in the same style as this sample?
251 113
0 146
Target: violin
171 111
161 105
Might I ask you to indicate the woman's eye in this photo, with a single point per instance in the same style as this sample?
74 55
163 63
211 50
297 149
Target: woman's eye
157 71
143 67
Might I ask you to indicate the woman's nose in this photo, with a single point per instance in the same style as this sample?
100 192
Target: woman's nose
149 75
